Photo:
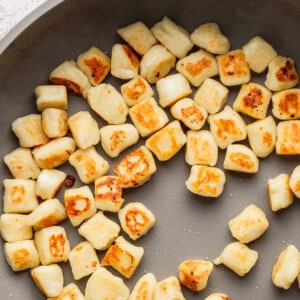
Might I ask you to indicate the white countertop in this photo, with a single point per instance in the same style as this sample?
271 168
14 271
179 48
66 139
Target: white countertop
13 11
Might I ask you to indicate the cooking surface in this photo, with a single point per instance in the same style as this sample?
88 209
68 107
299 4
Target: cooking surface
187 226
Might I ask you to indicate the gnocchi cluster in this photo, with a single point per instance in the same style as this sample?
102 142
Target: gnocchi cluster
182 67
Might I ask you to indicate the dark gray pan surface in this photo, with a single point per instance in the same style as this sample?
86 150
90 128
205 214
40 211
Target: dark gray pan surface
187 226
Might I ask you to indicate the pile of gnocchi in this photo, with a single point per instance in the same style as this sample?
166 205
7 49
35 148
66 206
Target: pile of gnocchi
177 64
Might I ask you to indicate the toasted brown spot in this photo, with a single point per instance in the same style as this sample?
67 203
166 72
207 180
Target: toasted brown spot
192 113
226 127
146 116
254 98
197 68
70 85
114 187
20 257
135 220
131 56
17 194
234 65
242 159
78 248
57 245
97 67
77 205
267 139
287 72
48 221
289 104
89 165
136 91
291 143
117 138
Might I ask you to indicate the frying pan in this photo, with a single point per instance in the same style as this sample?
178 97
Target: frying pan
187 226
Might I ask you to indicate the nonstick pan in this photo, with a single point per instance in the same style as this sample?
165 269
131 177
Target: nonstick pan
187 226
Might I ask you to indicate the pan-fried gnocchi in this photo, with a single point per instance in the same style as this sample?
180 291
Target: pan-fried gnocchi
161 56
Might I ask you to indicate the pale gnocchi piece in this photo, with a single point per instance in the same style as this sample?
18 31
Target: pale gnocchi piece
49 279
233 68
136 90
123 256
21 164
240 158
136 168
168 288
209 37
201 148
281 75
83 260
108 103
52 245
21 255
262 136
49 183
108 193
136 219
100 231
19 196
144 288
48 213
55 122
280 194
70 291
175 38
89 164
172 88
167 141
84 129
156 63
95 64
125 63
29 130
51 96
54 153
148 117
138 36
104 285
286 267
294 182
212 95
69 75
249 225
116 138
218 296
258 54
198 66
238 257
194 274
253 100
189 113
206 181
80 204
14 228
286 104
288 138
227 127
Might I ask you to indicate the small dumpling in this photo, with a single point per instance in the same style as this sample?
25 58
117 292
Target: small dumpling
286 268
136 219
227 127
294 182
116 138
206 181
281 75
233 68
280 194
238 257
240 158
209 36
175 38
123 256
70 291
262 136
249 225
55 122
168 288
136 168
218 296
144 288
